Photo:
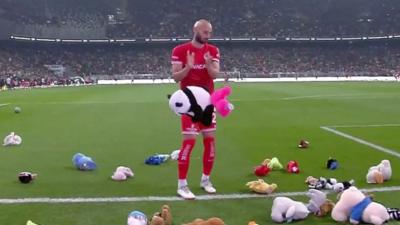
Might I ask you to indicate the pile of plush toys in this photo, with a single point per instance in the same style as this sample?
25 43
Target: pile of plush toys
164 217
353 205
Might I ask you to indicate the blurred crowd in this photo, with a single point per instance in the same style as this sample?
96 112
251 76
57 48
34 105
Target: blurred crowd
231 18
30 61
30 64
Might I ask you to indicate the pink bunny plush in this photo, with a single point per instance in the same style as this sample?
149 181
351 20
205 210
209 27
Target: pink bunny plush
220 101
122 173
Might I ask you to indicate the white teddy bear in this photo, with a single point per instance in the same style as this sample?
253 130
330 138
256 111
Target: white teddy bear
12 139
287 210
379 173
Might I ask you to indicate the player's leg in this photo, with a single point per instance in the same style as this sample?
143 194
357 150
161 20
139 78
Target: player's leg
208 155
189 133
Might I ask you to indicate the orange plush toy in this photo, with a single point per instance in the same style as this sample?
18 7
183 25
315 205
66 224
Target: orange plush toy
211 221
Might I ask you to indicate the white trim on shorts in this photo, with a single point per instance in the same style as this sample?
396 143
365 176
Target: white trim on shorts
208 129
190 132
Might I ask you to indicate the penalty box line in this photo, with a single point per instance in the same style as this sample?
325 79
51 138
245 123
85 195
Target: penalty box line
332 129
168 198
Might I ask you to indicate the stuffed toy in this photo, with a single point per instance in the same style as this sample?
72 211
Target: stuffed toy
220 101
17 109
122 173
303 144
252 223
327 184
197 103
157 159
137 218
292 167
259 186
379 173
287 210
162 218
29 222
274 164
193 101
354 206
175 154
83 162
332 164
325 208
211 221
26 177
12 140
394 213
262 169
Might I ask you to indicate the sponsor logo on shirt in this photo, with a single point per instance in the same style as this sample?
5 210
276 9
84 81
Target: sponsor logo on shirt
199 66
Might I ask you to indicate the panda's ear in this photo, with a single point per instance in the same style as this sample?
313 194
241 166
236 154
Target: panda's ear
168 96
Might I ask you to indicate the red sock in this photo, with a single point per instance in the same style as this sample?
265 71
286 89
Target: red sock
208 155
184 157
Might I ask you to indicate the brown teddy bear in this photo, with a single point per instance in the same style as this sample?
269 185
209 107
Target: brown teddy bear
211 221
303 144
162 218
325 208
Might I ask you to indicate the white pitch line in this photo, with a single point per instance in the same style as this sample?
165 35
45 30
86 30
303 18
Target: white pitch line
361 141
168 198
364 126
4 104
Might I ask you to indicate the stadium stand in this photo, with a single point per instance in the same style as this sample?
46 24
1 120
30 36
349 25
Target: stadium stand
39 63
173 18
93 61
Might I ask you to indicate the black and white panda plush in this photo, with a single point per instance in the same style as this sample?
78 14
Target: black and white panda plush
193 101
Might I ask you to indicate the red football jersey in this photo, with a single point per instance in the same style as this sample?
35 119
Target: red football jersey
198 75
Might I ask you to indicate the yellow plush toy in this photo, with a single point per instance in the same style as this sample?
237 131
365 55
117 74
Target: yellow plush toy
252 223
162 218
211 221
259 186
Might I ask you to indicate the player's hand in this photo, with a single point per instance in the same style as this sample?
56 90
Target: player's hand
208 57
189 59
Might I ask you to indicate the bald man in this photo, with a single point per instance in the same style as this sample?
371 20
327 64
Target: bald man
196 63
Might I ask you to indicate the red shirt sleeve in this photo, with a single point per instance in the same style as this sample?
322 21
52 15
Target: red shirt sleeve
214 52
177 57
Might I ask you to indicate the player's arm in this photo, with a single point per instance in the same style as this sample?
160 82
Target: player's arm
180 71
212 62
213 69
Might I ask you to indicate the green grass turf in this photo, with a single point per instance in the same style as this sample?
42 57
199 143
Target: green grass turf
122 125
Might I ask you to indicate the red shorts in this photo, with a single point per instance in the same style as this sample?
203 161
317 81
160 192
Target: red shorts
190 127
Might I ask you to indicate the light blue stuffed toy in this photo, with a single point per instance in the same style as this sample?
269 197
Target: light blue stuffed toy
83 162
137 218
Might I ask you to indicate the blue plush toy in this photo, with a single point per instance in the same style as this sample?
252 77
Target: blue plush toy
332 164
83 162
157 159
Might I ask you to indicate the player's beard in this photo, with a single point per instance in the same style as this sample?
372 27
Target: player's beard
200 40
